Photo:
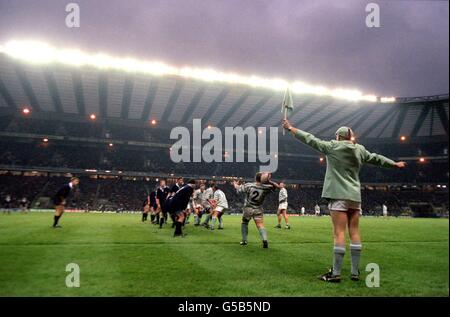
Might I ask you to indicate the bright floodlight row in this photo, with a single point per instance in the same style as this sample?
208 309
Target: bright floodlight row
42 53
26 111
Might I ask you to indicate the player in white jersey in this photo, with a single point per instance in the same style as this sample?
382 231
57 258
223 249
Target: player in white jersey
255 193
197 204
302 210
188 211
208 195
385 210
219 205
317 210
282 207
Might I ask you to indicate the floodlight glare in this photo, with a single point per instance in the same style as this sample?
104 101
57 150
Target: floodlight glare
41 53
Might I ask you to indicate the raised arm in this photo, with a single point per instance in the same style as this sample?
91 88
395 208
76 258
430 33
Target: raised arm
380 160
307 138
275 185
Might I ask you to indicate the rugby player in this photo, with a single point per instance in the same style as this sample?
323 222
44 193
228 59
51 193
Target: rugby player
7 205
198 204
255 193
282 207
175 187
146 206
59 200
208 195
23 205
177 205
161 196
219 205
317 210
385 210
153 207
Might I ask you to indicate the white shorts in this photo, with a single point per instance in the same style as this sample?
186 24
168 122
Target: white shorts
283 206
219 209
344 205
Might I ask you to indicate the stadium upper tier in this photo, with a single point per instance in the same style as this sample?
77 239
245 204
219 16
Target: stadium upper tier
63 92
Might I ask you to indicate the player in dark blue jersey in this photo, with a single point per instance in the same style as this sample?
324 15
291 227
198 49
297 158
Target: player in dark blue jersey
153 206
177 186
59 200
161 196
146 205
177 205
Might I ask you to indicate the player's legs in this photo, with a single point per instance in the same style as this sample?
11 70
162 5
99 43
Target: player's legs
219 216
279 217
152 215
162 217
355 241
340 220
178 218
198 216
59 210
214 214
244 230
207 219
172 217
259 221
286 219
144 215
157 215
188 215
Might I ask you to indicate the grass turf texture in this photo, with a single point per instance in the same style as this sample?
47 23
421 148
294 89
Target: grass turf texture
120 256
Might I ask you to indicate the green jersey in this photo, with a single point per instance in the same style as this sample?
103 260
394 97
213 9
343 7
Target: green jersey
344 161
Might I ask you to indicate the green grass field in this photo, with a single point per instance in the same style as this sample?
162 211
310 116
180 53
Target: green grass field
120 256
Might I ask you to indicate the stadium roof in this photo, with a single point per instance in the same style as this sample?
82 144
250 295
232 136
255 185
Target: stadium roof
174 100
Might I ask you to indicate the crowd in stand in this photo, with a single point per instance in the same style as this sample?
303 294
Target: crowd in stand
147 159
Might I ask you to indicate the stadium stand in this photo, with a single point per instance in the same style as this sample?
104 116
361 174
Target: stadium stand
119 194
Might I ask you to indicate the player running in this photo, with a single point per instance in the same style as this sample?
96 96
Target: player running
59 200
219 205
255 193
343 190
282 207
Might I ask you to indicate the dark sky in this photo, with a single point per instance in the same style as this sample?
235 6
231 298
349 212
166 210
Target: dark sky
319 42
